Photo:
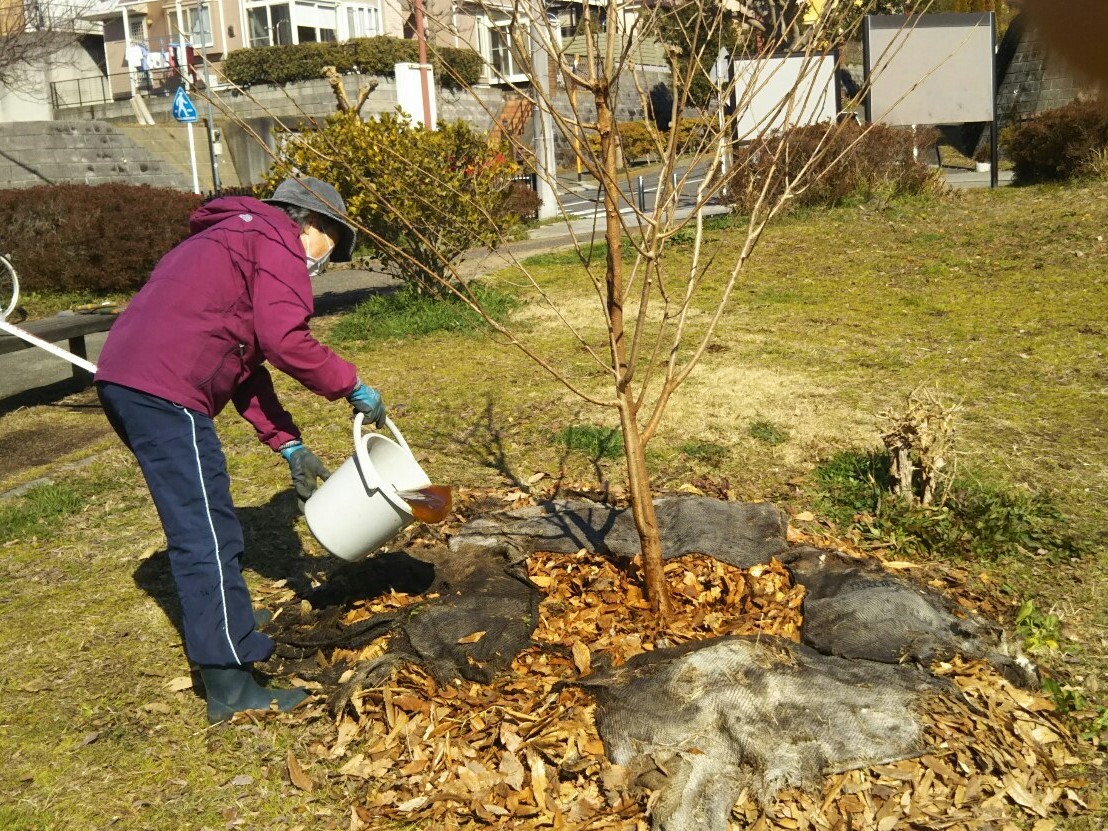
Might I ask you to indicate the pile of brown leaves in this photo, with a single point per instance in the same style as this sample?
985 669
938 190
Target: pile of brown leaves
524 753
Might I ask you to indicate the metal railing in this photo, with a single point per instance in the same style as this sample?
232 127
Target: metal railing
97 89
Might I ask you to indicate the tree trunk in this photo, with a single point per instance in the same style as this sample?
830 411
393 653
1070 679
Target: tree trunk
642 501
642 510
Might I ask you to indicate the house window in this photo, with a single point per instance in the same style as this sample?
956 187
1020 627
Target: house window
270 25
194 25
136 29
500 56
570 21
363 21
315 22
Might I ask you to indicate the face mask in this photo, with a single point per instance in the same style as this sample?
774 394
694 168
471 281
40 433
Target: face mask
316 264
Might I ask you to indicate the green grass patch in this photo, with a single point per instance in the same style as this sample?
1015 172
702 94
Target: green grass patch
13 819
594 253
768 433
705 451
972 517
409 313
595 442
38 510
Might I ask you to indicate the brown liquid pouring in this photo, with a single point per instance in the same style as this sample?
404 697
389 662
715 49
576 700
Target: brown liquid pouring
430 504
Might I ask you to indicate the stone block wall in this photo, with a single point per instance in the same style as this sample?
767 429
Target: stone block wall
84 152
246 116
629 105
1033 80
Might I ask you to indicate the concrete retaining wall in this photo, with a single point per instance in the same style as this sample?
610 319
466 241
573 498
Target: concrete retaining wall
86 152
249 120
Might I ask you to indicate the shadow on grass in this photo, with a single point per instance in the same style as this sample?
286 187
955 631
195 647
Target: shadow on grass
45 394
273 550
483 444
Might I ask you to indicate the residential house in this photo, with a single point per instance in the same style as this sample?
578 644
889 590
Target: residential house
148 44
41 42
499 31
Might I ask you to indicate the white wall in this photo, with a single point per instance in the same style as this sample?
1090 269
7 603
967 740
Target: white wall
28 99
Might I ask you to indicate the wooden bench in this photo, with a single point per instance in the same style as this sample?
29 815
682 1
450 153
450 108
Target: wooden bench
72 328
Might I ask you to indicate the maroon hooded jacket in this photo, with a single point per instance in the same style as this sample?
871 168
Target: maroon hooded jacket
234 294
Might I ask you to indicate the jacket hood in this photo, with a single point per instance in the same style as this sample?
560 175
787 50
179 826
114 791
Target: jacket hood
225 207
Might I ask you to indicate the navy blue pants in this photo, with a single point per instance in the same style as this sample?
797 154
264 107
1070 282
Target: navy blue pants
183 463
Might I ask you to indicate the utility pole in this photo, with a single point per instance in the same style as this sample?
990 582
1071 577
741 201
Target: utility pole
216 185
543 124
421 37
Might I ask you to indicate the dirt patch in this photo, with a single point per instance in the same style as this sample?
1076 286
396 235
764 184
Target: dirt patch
29 447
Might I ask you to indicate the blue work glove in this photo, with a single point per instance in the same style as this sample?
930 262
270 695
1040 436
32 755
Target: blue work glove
305 467
367 401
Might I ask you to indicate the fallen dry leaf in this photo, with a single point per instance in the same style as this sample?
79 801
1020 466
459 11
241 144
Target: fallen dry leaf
180 683
297 775
582 658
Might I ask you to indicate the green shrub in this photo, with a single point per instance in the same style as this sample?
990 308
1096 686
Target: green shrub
85 238
425 197
691 133
454 68
853 161
1065 143
457 68
638 139
595 442
410 313
971 517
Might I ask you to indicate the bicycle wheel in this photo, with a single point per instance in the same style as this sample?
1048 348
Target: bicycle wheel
9 288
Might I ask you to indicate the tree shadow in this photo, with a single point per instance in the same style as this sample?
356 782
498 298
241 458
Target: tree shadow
343 296
273 551
483 443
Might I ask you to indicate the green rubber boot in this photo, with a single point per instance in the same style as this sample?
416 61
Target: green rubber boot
231 690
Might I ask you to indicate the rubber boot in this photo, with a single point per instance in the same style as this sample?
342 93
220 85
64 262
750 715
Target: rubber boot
231 690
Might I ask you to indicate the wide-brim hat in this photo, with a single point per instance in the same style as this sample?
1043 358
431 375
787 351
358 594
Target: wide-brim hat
321 198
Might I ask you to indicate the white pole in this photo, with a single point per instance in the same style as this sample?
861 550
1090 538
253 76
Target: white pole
192 155
543 125
49 347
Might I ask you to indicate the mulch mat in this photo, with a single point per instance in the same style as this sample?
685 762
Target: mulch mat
523 751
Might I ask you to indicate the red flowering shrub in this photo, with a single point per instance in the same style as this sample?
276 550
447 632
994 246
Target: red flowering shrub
90 238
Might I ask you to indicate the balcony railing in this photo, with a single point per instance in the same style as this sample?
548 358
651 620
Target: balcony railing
98 89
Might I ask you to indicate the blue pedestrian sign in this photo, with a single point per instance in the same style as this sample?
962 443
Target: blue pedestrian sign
183 109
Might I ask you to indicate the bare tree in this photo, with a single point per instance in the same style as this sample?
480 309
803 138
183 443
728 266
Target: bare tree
659 308
648 298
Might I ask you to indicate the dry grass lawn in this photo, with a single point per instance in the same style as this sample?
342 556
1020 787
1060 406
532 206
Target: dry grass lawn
997 299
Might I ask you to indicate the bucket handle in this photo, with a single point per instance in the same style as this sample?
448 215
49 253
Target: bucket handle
368 473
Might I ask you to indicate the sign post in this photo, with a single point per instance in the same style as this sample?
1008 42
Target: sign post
185 112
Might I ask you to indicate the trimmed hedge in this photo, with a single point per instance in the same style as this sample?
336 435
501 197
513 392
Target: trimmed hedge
454 68
1065 143
91 238
855 162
